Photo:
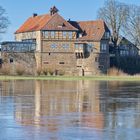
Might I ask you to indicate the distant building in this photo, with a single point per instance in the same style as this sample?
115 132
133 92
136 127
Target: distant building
124 48
127 48
125 56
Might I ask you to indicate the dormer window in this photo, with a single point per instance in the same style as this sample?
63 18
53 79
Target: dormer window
61 25
80 34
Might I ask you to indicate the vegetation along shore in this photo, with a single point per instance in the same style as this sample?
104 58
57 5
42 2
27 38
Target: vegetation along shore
69 78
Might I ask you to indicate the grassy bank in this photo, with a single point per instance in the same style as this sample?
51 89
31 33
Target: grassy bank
71 78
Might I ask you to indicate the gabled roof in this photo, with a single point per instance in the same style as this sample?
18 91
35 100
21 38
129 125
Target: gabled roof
92 30
45 22
58 23
123 41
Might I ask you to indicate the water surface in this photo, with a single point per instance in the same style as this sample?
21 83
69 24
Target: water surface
69 110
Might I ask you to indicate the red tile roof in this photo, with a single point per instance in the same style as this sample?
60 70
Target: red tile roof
34 23
92 30
45 22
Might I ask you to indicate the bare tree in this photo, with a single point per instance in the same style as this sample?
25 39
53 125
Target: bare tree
115 14
4 22
132 26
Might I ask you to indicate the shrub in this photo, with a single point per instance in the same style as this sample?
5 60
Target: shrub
45 71
115 72
51 71
20 70
5 69
61 72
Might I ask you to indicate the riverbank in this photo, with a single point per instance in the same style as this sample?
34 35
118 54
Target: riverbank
71 78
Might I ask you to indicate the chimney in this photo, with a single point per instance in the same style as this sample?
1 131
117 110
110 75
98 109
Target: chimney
34 14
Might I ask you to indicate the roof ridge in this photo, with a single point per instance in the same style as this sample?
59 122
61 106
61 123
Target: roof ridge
91 20
49 20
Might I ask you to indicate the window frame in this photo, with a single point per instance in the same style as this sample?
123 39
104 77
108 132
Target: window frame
64 34
103 47
52 34
53 45
70 34
65 46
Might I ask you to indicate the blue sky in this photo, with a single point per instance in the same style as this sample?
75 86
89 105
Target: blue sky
19 10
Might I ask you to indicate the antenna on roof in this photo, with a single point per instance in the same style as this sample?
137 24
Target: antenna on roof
53 10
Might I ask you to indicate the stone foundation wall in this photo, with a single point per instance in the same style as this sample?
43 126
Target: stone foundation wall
25 61
58 62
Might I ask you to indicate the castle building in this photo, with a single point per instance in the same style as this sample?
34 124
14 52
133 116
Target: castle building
75 47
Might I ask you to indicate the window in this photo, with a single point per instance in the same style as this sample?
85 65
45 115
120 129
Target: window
61 63
52 34
17 49
45 62
100 66
80 34
90 47
23 49
127 52
65 46
45 34
11 60
76 46
133 52
103 47
107 35
80 46
64 34
32 47
122 53
70 35
29 40
53 46
96 59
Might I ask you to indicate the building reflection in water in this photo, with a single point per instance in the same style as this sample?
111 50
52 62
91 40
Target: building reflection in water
52 106
54 103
